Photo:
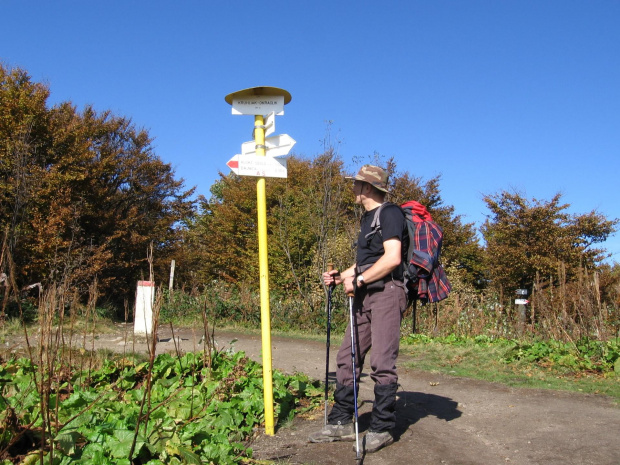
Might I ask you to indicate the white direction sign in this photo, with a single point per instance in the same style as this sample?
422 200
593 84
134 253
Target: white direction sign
256 165
275 146
258 105
521 301
270 124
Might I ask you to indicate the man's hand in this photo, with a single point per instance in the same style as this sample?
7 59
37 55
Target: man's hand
349 288
332 278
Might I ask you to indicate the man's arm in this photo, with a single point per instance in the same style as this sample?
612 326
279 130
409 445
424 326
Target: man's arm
388 262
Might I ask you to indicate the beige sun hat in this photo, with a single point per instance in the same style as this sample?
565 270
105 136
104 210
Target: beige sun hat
373 175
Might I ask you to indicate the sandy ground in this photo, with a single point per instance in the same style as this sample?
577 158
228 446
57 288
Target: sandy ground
441 419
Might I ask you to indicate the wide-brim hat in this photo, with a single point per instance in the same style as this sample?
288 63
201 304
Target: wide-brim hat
373 175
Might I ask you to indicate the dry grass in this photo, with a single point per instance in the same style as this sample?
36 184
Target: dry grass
557 309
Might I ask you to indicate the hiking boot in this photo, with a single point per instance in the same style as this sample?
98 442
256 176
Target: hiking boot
374 441
331 433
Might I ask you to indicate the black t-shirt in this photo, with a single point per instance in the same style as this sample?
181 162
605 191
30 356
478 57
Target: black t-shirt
393 225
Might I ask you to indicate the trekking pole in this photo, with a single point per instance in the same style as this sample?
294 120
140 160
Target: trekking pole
357 434
330 267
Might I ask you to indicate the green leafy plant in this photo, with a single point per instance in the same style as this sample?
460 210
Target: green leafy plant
585 354
197 414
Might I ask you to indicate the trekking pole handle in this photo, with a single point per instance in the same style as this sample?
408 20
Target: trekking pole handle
330 267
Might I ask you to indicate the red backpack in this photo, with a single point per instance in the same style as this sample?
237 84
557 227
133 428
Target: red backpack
425 278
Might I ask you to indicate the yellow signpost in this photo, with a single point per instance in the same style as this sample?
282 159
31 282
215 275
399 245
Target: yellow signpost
259 101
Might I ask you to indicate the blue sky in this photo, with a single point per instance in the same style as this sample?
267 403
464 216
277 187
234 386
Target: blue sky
491 95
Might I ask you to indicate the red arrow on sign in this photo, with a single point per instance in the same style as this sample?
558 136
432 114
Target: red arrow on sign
233 163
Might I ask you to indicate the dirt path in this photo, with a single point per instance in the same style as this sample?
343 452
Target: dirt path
449 420
441 419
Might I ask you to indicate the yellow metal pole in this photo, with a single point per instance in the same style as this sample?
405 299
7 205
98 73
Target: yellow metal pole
261 206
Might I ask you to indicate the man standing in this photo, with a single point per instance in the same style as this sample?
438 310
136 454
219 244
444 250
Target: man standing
380 300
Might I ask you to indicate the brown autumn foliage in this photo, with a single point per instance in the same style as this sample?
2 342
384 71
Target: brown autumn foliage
82 195
312 220
305 213
525 238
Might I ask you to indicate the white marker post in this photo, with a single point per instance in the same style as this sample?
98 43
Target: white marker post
145 296
259 101
521 301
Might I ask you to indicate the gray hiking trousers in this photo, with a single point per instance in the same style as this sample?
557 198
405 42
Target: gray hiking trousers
378 315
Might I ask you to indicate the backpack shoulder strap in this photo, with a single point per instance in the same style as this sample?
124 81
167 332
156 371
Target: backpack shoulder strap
376 221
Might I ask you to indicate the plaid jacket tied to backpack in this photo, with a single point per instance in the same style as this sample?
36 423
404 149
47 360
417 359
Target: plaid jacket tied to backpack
425 240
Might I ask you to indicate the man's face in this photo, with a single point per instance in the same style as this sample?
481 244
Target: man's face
357 191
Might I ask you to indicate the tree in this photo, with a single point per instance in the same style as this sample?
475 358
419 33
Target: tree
222 237
24 143
313 222
82 195
305 214
524 237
